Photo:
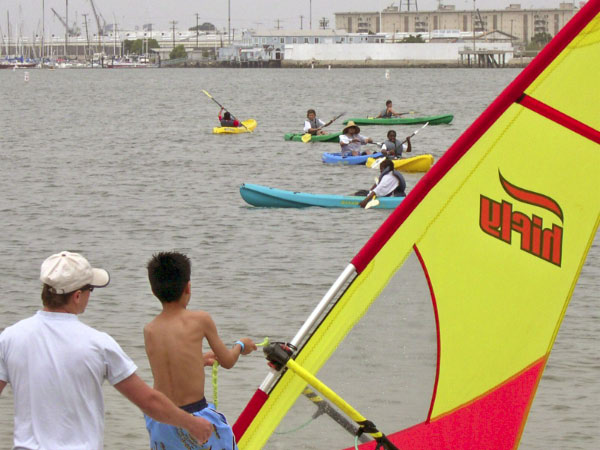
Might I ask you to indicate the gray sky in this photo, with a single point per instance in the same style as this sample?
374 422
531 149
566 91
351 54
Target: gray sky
26 15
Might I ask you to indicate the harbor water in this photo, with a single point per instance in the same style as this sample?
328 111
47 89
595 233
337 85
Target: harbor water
121 164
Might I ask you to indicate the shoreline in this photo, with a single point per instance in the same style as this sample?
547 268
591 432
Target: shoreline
282 64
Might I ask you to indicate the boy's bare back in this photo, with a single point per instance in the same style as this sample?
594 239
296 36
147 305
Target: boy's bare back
174 347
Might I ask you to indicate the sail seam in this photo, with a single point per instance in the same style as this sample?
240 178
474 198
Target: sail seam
559 118
437 326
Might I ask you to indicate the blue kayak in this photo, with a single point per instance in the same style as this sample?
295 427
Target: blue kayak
337 158
265 196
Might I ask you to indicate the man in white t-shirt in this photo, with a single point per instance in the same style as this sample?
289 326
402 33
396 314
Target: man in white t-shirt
56 366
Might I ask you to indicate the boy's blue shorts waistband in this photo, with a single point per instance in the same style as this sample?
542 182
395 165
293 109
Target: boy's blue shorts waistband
196 406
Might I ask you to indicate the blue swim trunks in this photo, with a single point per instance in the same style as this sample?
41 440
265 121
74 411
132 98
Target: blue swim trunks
168 437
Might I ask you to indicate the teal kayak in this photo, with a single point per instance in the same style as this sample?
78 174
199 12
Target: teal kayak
265 196
433 120
297 137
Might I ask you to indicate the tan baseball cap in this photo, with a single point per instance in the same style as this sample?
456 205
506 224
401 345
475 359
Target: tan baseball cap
66 272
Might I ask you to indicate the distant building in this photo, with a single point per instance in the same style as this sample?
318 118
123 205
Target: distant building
270 45
520 23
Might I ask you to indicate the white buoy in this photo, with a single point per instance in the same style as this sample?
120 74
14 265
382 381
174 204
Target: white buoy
387 74
26 77
329 67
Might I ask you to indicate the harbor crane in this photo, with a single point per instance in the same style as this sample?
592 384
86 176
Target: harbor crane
73 31
97 17
100 29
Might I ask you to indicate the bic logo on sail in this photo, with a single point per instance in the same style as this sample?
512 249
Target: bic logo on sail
500 219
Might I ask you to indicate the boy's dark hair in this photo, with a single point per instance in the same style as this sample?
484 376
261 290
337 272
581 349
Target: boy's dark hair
390 132
311 111
227 115
169 274
388 102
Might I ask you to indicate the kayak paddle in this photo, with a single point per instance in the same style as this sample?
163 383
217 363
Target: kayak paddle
374 202
399 114
307 136
235 118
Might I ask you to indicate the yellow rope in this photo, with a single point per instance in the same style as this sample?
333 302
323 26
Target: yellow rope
215 375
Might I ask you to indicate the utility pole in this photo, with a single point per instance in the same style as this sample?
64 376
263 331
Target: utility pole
301 17
278 27
87 36
196 30
473 28
310 11
229 21
173 23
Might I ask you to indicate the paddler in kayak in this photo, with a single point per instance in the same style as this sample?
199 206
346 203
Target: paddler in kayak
313 125
226 120
173 341
393 148
391 183
351 141
388 112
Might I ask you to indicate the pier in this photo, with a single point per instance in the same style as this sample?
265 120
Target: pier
484 58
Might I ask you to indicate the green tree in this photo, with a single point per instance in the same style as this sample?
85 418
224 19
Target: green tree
178 52
539 40
138 46
413 39
206 26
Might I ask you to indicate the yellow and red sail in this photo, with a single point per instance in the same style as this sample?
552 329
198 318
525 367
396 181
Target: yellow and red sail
501 226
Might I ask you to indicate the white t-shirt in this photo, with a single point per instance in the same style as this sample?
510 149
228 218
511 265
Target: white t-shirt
56 366
308 126
386 185
348 146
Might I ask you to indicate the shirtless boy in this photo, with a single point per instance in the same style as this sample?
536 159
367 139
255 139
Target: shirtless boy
174 347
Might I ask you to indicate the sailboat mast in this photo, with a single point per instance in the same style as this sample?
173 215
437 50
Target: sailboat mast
42 52
67 27
8 32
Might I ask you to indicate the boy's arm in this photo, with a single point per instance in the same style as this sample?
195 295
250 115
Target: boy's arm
158 406
227 357
2 385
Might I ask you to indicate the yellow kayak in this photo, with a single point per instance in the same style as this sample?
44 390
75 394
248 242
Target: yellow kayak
419 163
249 125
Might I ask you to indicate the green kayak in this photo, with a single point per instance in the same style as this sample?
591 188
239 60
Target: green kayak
331 137
433 120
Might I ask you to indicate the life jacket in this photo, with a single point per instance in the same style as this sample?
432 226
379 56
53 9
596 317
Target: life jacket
227 123
399 191
313 124
398 147
385 114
